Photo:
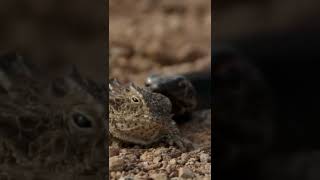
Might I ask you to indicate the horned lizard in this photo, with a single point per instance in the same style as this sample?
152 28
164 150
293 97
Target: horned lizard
49 129
143 115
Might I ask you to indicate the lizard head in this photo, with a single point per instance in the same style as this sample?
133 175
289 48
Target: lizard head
138 115
130 101
53 125
77 119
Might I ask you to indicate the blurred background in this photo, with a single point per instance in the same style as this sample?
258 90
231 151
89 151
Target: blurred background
53 35
167 36
245 18
56 33
266 93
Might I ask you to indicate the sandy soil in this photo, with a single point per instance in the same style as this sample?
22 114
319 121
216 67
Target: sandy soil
167 37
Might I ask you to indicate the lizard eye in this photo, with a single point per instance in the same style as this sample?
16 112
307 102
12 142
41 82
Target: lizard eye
81 121
135 100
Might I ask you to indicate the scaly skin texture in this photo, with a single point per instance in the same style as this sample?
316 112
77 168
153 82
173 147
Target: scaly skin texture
49 130
139 116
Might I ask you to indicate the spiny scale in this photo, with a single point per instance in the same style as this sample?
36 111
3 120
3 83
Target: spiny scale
56 127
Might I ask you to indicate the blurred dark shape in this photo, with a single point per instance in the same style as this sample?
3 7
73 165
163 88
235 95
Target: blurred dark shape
243 116
280 39
50 129
56 33
289 64
202 83
235 19
292 166
178 89
51 36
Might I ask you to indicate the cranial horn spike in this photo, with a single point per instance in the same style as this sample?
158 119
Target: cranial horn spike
113 83
110 87
132 86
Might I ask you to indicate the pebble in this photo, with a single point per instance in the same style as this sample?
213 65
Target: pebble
118 174
160 151
204 157
185 172
173 174
145 164
168 168
184 157
208 167
126 178
116 164
157 159
164 164
173 162
140 177
131 157
180 162
190 163
160 176
113 151
144 156
203 178
175 178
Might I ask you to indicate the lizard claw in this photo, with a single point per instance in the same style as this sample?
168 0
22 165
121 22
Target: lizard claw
182 143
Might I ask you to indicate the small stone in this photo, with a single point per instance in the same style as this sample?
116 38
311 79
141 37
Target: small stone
113 174
145 164
144 156
208 166
173 162
190 163
126 178
131 157
157 159
180 162
164 164
159 151
204 157
118 174
113 151
184 157
185 172
116 164
160 176
168 169
139 177
123 151
173 174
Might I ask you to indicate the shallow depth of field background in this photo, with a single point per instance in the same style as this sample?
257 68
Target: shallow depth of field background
55 34
158 37
280 37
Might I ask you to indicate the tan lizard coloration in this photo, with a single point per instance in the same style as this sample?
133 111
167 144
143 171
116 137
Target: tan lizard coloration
140 116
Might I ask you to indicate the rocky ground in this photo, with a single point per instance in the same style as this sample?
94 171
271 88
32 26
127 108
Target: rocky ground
167 37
